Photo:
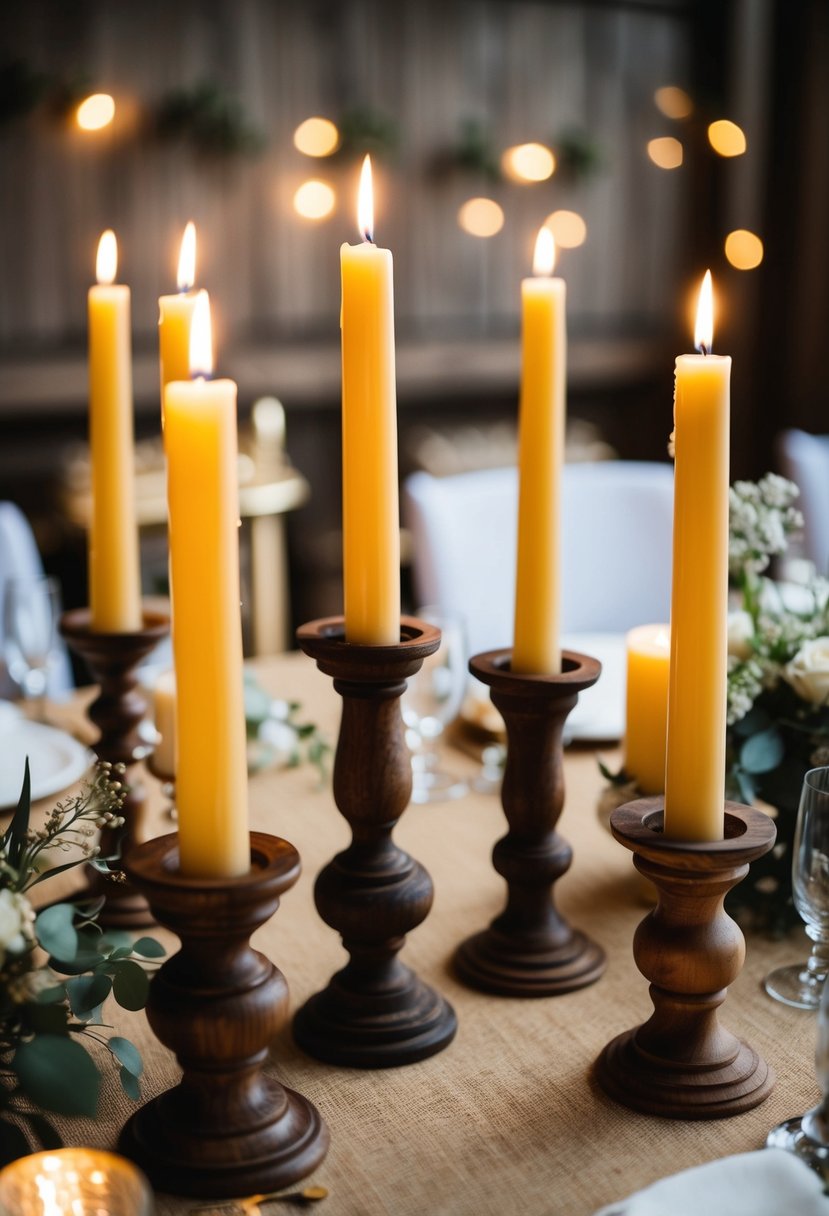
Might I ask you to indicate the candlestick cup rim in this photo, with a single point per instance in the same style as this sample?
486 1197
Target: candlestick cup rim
156 864
494 667
76 624
748 834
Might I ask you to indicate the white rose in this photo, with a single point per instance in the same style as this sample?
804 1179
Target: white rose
740 633
808 672
16 917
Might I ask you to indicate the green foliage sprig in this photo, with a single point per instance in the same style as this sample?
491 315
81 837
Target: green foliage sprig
51 1018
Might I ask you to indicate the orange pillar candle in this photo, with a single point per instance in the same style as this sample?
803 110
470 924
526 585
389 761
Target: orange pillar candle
646 720
114 570
371 518
536 646
695 773
203 500
175 314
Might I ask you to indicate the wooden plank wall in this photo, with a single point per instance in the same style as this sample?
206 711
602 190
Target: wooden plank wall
528 69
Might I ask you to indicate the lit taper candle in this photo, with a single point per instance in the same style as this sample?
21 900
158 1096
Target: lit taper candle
114 570
695 773
371 517
175 314
541 425
203 500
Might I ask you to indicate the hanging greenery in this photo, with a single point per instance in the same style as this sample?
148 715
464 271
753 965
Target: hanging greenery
212 119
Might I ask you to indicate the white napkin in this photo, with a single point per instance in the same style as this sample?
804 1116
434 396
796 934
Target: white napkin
771 1182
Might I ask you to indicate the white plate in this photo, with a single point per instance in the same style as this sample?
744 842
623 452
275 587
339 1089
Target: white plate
600 713
56 760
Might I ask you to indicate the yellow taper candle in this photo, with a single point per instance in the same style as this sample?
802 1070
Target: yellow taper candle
371 518
114 571
175 314
541 423
646 719
695 774
203 500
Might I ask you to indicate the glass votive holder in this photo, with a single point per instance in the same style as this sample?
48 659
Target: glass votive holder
74 1182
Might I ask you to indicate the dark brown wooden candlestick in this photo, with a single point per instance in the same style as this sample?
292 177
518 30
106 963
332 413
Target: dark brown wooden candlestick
530 949
228 1128
112 659
375 1013
682 1063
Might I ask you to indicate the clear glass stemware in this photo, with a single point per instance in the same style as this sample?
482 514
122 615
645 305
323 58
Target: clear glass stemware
801 984
808 1135
432 700
31 611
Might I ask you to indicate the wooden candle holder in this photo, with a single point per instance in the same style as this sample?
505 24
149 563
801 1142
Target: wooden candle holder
112 659
228 1128
682 1063
530 950
375 1013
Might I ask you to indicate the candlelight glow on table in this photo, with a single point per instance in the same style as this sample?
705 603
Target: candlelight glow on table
371 517
695 773
114 573
541 425
74 1182
203 498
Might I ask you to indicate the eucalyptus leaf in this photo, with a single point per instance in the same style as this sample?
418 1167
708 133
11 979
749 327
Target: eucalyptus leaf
47 1019
130 984
127 1054
56 931
148 947
129 1084
746 787
56 1073
762 752
116 939
87 992
756 720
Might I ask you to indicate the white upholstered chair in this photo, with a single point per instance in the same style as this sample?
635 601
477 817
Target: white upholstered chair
616 546
804 459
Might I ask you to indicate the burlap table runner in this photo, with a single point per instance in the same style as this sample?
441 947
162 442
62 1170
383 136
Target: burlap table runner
506 1120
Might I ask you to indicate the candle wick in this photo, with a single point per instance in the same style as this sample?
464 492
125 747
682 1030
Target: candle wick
703 349
367 237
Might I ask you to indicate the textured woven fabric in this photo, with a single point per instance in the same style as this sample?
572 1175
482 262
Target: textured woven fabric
506 1121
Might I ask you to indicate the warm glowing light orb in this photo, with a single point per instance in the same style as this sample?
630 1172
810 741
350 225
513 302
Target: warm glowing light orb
481 217
95 112
314 200
528 163
316 137
743 249
673 102
665 152
726 138
568 228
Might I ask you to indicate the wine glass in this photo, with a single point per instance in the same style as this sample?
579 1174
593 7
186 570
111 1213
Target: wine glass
431 701
31 611
808 1135
801 984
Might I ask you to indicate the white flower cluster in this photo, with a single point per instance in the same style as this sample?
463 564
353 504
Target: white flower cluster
761 517
745 683
16 924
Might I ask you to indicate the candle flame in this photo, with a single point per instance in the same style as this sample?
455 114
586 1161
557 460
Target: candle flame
106 263
704 329
201 338
544 258
187 259
365 202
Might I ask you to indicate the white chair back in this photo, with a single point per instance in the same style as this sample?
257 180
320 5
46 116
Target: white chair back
617 520
19 558
804 459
